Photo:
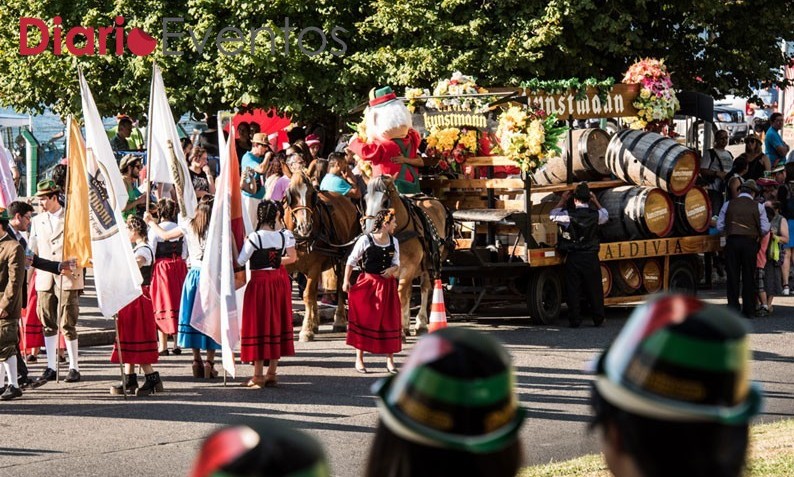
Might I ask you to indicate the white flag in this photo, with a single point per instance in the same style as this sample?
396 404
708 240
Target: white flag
116 275
8 190
167 164
215 309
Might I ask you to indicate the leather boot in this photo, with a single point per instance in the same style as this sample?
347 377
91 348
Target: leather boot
130 384
152 385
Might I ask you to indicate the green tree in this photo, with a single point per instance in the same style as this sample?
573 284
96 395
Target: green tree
712 47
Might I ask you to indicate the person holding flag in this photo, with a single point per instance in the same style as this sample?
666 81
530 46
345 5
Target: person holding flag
58 304
137 336
267 306
194 232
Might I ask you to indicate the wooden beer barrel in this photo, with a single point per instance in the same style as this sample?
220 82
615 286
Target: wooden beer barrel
589 159
606 279
652 276
692 212
626 276
650 159
636 213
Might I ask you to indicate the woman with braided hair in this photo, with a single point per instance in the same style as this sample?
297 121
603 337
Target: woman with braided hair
194 233
374 319
168 274
137 330
267 305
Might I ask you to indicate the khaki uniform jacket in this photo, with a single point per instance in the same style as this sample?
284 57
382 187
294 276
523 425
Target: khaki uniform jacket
46 241
12 276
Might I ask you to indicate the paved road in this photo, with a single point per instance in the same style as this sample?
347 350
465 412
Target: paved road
80 429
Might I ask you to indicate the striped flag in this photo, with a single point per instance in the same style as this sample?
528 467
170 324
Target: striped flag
77 237
167 164
215 309
116 275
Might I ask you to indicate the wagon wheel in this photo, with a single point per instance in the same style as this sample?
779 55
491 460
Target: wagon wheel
682 277
544 296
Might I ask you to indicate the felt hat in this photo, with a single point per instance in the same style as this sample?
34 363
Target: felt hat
681 359
753 137
47 187
128 160
260 448
312 140
750 184
455 391
381 96
260 138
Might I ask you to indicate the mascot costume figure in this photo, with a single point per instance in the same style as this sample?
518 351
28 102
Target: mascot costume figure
392 143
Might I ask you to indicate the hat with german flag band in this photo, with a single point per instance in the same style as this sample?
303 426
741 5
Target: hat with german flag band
455 391
683 360
381 96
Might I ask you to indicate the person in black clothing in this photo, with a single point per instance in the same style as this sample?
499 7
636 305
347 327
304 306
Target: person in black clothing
580 241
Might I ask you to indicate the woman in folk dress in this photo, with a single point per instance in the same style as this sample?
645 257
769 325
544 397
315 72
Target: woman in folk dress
374 318
267 305
137 330
168 275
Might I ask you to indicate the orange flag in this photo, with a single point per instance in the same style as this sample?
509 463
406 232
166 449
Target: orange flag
77 236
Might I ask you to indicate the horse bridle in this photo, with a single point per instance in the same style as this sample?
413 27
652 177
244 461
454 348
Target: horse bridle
300 239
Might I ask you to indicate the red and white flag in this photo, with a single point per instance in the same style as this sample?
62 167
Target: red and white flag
215 310
166 160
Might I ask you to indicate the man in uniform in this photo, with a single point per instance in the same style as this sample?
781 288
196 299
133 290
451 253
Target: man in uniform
580 241
12 273
46 240
743 221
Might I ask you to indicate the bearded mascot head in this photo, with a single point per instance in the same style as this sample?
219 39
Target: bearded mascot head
386 117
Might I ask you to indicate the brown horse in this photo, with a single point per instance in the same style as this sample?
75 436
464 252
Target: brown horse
322 223
415 254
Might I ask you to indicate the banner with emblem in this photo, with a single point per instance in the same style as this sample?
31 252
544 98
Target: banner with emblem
166 160
116 274
77 235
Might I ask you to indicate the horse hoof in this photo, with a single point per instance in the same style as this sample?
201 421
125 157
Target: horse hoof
339 329
420 331
305 337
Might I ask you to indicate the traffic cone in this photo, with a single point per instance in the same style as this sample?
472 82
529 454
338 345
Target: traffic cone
438 311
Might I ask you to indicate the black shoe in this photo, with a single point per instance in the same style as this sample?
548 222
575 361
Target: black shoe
575 324
152 385
177 351
11 392
36 383
61 359
73 376
24 383
3 389
31 358
130 383
48 375
598 321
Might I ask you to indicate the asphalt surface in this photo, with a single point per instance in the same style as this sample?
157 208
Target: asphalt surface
81 430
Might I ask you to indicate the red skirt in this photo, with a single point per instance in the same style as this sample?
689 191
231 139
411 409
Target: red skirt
267 317
137 332
32 334
168 276
374 316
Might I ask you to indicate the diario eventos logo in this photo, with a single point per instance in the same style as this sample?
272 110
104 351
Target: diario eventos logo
36 36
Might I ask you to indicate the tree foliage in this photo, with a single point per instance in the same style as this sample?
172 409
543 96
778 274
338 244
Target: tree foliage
713 47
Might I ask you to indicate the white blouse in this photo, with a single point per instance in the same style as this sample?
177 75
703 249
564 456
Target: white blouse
363 243
154 239
264 239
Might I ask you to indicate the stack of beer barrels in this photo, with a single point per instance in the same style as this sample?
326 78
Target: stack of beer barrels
659 197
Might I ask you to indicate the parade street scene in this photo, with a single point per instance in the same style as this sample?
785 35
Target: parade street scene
418 239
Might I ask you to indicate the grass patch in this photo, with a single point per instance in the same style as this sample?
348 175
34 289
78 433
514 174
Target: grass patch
771 455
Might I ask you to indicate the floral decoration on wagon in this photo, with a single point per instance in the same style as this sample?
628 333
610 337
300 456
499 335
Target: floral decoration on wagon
657 103
450 147
458 88
529 136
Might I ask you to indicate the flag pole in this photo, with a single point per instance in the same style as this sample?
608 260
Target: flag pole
149 143
121 360
63 244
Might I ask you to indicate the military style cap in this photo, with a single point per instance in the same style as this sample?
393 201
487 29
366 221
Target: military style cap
681 359
455 391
